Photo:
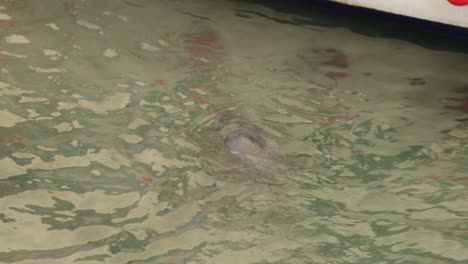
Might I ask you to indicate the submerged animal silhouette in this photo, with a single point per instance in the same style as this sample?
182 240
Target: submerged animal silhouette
249 145
243 142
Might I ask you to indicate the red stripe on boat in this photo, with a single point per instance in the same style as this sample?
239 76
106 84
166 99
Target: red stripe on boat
458 2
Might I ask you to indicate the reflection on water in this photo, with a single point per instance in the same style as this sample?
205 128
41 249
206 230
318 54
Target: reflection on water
182 132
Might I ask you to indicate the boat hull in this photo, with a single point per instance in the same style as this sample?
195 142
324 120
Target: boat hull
441 11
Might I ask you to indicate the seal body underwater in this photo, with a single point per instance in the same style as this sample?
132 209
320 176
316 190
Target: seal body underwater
258 153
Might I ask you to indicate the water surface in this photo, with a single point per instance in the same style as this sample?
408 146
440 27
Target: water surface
112 151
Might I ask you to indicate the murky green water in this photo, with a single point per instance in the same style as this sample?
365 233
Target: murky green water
112 150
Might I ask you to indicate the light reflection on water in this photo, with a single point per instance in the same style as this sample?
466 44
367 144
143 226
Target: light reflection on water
113 150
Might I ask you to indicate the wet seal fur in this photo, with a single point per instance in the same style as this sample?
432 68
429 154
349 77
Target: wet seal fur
258 154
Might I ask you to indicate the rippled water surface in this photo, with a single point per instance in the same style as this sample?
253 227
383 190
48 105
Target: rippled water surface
222 132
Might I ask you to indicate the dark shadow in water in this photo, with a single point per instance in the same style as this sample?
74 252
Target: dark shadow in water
366 22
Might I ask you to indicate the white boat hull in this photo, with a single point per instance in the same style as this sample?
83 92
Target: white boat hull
433 10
